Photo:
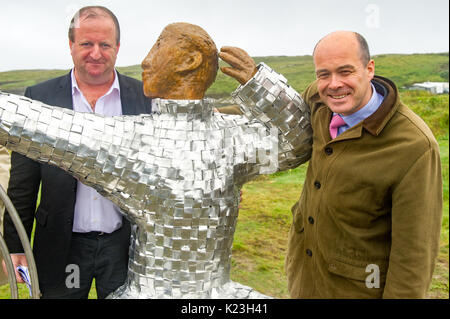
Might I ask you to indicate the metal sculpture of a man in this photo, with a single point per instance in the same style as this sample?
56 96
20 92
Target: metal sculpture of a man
175 175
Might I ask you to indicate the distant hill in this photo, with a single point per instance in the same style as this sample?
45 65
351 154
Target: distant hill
403 69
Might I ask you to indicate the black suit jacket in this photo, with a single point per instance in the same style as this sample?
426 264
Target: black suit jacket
54 215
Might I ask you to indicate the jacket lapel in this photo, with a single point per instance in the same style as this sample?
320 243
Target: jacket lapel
378 120
127 99
63 94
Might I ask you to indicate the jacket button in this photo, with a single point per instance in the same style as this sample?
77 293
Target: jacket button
69 221
317 185
309 252
311 220
328 150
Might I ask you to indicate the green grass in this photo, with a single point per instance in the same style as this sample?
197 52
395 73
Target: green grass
261 234
408 69
432 108
17 81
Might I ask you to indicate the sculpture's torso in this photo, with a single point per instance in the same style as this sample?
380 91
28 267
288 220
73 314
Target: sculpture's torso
183 247
175 176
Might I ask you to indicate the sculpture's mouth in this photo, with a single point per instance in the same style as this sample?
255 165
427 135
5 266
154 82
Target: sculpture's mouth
145 75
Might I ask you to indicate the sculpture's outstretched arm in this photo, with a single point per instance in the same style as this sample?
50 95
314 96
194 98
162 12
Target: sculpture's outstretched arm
268 99
109 154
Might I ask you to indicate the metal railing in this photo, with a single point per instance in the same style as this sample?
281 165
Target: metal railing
9 207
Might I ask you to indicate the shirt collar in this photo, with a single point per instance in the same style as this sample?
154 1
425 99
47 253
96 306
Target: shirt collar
366 111
114 86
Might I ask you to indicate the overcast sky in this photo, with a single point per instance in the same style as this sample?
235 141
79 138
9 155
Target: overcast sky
33 34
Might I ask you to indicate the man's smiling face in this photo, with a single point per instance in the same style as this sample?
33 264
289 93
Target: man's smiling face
94 50
343 79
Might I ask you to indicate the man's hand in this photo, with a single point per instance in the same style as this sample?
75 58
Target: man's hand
243 68
17 259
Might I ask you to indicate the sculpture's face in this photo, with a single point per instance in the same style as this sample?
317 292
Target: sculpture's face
159 74
180 65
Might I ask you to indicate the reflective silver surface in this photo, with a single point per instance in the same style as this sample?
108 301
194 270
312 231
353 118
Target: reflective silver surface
176 175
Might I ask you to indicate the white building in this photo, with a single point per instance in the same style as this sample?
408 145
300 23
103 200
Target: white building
433 87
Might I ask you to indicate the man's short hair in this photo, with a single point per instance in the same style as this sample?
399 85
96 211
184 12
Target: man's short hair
92 12
363 48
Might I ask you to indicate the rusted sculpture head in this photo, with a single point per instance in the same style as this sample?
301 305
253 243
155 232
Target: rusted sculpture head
181 65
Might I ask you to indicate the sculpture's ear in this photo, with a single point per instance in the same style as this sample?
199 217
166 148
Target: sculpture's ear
191 61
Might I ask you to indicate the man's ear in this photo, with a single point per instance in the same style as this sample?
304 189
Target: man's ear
191 61
371 69
71 44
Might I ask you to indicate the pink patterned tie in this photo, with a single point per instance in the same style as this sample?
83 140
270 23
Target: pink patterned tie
335 124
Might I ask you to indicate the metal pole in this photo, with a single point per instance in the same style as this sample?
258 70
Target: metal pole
9 207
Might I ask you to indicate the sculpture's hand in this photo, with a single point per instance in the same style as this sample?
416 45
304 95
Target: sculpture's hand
243 68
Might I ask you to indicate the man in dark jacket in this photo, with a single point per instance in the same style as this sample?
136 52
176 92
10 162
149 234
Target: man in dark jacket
79 235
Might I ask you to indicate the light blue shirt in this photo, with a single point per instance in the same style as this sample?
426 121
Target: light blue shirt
93 212
363 113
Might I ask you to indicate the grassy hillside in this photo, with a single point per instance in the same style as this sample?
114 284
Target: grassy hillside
17 81
433 109
403 69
